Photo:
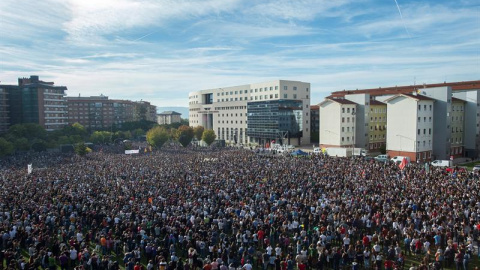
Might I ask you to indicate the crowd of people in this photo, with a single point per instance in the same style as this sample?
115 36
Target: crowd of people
231 208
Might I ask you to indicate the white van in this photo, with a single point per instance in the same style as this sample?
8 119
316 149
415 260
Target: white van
399 159
441 163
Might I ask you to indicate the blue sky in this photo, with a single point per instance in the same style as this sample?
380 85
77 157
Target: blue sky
161 50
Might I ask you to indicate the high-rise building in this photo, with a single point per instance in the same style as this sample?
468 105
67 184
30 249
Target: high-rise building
36 101
4 109
255 113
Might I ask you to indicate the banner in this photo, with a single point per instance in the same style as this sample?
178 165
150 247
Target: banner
29 168
129 152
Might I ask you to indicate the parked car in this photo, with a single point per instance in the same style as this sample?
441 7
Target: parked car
441 163
381 158
399 159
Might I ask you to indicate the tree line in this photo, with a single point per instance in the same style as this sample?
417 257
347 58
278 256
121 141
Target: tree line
33 137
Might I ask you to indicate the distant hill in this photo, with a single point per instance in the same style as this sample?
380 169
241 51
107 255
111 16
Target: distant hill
182 110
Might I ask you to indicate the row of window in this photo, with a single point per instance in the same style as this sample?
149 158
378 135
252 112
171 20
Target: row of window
348 139
424 131
378 110
384 127
425 107
348 110
375 136
261 97
348 119
378 119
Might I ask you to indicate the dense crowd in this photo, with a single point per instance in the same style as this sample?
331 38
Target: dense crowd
232 208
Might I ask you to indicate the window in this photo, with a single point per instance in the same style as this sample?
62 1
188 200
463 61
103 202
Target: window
343 110
429 131
343 139
295 96
424 107
348 110
418 132
419 107
430 107
294 88
307 89
285 95
276 87
285 87
343 119
418 119
343 129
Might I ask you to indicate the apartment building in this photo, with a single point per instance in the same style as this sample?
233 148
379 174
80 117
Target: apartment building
168 117
457 124
34 101
471 131
314 123
255 113
99 112
410 125
337 123
144 111
4 110
377 123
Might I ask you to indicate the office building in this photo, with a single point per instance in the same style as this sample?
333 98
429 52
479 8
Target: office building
255 113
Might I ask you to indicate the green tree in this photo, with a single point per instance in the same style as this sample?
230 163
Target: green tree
78 129
39 146
184 135
209 136
198 132
101 137
81 149
137 133
6 147
157 136
21 144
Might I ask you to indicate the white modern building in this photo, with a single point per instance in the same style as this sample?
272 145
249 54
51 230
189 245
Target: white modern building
254 113
410 125
337 123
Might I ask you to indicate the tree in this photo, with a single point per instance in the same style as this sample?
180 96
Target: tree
21 144
157 136
101 137
81 149
209 136
198 132
39 146
185 135
6 147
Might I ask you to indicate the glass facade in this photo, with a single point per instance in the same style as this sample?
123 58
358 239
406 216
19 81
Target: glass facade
275 119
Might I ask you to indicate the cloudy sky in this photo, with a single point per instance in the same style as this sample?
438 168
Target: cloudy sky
159 50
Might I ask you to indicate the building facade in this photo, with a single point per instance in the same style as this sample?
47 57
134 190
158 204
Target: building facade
314 123
471 131
99 112
35 101
226 110
337 123
377 126
4 110
457 128
168 117
410 125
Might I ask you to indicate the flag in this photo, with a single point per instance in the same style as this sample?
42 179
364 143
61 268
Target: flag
29 168
403 163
